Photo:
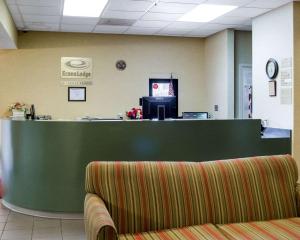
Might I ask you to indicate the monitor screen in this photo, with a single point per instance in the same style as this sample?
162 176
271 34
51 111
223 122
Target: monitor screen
195 115
155 107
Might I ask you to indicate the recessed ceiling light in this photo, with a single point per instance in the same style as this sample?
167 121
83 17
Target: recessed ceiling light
84 8
206 13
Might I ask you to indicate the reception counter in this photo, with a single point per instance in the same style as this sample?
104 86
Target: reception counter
43 162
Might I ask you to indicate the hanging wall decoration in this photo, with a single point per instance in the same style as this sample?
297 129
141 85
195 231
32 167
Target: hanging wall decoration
272 88
272 68
76 67
121 65
76 71
76 94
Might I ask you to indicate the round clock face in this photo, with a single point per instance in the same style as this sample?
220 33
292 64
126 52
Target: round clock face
272 68
121 65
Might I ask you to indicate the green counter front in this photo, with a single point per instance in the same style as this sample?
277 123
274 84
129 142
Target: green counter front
43 162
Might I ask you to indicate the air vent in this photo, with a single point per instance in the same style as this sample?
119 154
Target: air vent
116 22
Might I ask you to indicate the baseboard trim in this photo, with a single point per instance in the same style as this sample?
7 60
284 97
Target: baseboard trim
71 216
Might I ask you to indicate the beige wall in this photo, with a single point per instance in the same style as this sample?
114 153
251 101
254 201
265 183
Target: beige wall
296 132
219 73
32 73
8 32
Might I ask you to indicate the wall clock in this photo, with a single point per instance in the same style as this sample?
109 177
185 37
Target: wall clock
272 68
121 65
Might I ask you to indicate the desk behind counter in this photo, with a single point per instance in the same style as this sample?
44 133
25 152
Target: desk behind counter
44 161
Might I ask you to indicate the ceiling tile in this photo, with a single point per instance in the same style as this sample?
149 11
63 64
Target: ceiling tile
79 20
201 33
231 20
39 2
208 29
110 29
185 25
150 24
184 1
116 22
17 18
77 28
161 17
219 27
238 3
45 15
142 31
41 26
243 28
163 7
35 10
247 12
248 22
19 25
38 18
195 36
128 5
169 34
174 31
268 4
122 14
13 9
10 2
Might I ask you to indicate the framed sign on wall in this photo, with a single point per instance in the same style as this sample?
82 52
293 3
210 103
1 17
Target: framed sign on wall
272 88
76 67
76 94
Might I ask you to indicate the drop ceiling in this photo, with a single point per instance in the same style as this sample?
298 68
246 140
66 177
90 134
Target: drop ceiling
142 17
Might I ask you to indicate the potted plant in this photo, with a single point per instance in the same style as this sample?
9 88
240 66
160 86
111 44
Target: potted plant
135 113
18 109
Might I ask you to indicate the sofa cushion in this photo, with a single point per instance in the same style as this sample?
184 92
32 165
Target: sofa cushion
204 232
273 229
152 196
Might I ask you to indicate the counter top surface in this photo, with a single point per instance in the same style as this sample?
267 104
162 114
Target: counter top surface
125 120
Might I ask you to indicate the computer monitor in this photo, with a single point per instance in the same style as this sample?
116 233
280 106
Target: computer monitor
159 107
195 115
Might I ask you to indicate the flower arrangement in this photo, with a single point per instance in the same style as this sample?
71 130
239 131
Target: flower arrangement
135 113
21 107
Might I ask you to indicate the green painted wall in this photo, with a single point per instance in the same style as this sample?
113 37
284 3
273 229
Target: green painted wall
242 55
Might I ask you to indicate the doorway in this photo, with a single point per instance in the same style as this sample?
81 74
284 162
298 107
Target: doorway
245 92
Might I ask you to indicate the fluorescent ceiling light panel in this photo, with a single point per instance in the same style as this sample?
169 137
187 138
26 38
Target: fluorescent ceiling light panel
84 8
206 13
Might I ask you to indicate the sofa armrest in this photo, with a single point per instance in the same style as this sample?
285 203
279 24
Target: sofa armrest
298 198
98 223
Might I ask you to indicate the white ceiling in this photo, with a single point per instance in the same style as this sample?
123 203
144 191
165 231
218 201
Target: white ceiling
144 17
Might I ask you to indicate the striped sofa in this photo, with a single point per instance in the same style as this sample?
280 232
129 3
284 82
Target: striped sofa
249 198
